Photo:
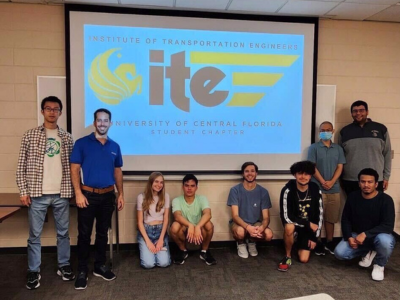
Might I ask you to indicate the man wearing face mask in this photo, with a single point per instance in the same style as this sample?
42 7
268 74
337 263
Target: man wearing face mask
329 159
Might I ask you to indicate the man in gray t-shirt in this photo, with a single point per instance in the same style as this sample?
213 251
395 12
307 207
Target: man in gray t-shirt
250 204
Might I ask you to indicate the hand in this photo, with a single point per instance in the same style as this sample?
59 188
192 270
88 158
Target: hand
311 244
385 184
252 230
260 231
190 233
81 201
159 244
25 200
198 237
313 227
352 243
151 247
120 202
360 238
328 184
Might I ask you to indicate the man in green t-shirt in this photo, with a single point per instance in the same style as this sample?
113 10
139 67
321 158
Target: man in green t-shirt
192 223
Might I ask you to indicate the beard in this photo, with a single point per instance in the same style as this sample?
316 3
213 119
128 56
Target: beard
249 181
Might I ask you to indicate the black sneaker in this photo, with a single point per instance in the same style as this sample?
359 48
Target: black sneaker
180 257
81 281
33 280
330 247
319 249
104 273
66 273
207 257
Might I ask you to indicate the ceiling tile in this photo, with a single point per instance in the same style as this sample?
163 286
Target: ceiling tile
166 3
93 1
203 4
311 8
380 2
257 5
391 14
354 11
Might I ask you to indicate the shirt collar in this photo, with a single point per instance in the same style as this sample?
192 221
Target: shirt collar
321 144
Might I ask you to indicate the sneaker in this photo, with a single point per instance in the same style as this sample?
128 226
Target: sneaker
207 257
104 273
252 249
81 281
66 273
366 261
330 247
33 280
378 273
242 250
319 249
180 257
285 264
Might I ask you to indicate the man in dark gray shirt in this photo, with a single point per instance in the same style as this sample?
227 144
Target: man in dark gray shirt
250 204
366 144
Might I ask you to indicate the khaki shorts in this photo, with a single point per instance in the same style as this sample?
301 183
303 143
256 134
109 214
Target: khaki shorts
331 207
233 224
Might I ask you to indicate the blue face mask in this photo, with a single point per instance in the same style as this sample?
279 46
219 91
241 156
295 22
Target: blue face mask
325 135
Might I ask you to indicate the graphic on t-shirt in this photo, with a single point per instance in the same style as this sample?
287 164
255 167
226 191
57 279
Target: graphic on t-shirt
52 147
304 204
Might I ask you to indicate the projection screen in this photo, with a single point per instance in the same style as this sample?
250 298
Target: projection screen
191 91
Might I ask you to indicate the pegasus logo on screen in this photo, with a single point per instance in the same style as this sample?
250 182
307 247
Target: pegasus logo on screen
112 87
204 81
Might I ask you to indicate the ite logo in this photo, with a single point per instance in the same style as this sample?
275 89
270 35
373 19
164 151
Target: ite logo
202 83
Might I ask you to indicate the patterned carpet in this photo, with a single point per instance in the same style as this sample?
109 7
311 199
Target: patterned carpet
232 278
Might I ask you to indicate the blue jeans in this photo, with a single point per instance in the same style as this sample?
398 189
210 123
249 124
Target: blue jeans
36 214
149 260
383 244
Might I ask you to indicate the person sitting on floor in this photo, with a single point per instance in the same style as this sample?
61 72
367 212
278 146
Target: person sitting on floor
367 225
192 223
153 217
301 212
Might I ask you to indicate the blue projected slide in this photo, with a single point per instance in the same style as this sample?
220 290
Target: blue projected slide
185 92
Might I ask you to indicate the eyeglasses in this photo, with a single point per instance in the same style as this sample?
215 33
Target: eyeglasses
49 109
361 110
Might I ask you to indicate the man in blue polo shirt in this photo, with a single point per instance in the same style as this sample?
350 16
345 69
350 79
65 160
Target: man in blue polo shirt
329 159
99 160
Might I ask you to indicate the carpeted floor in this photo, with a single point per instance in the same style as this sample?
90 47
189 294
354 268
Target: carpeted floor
232 278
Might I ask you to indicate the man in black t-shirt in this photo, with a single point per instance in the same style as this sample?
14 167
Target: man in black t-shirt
367 225
301 213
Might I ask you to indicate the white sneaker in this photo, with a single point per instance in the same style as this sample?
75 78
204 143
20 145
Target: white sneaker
378 273
366 261
252 248
242 250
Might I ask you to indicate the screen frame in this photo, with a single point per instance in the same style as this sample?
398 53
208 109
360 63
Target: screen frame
191 14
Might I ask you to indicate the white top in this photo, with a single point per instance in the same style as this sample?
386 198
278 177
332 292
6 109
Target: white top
52 167
152 215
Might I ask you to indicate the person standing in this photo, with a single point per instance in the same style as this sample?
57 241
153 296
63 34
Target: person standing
329 159
366 144
44 179
98 159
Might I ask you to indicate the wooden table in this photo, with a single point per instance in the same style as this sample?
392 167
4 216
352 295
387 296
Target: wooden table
6 212
10 204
